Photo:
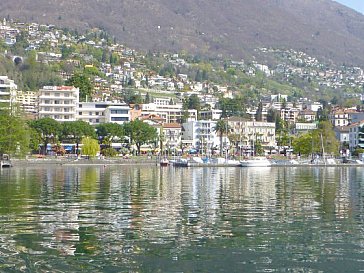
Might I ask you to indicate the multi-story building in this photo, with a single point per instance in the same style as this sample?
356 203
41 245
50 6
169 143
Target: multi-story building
356 138
356 116
169 113
249 132
201 135
289 114
342 133
27 101
339 118
307 115
58 102
304 127
103 112
7 92
172 135
213 114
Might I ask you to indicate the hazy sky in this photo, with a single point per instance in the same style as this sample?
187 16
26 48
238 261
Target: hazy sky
354 4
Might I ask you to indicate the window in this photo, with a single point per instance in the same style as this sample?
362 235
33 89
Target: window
56 102
119 112
46 101
80 113
56 94
119 119
66 117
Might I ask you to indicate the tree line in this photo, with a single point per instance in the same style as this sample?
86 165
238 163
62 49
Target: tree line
19 136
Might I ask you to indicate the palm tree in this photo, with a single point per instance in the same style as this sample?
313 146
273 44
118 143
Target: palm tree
221 128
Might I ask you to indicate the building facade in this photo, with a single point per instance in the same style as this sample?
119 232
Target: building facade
8 91
103 112
58 102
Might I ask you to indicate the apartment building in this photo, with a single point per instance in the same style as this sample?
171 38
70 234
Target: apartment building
103 112
339 118
201 134
252 131
213 114
172 133
58 102
8 91
27 101
356 137
169 113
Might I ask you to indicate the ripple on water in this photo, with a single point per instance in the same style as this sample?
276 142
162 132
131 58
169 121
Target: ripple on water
139 219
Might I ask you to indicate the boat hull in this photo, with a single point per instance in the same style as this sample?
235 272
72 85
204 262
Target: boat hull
259 162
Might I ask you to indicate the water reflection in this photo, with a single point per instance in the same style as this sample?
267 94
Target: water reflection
180 219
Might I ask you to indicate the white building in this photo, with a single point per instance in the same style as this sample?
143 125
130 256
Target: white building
7 91
172 135
58 102
355 137
339 118
213 114
201 134
27 101
169 113
342 134
314 106
103 112
250 132
305 127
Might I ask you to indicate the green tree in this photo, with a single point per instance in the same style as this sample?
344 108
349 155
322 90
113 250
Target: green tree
48 130
317 141
14 134
76 130
148 98
232 107
109 132
328 138
140 133
258 147
221 128
259 112
90 147
192 102
83 83
302 144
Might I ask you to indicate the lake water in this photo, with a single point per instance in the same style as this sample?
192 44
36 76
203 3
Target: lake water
151 219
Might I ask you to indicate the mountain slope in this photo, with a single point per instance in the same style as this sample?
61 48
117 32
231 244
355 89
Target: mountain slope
322 28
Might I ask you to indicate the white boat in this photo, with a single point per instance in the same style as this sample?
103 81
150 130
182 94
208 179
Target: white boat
5 161
255 162
181 162
164 162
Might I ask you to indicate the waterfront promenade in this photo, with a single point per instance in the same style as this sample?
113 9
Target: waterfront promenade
154 160
142 160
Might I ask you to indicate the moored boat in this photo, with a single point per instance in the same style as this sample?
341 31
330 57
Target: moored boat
5 161
181 162
164 162
255 162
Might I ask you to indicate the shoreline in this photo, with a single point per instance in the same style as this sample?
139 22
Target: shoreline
149 162
82 162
